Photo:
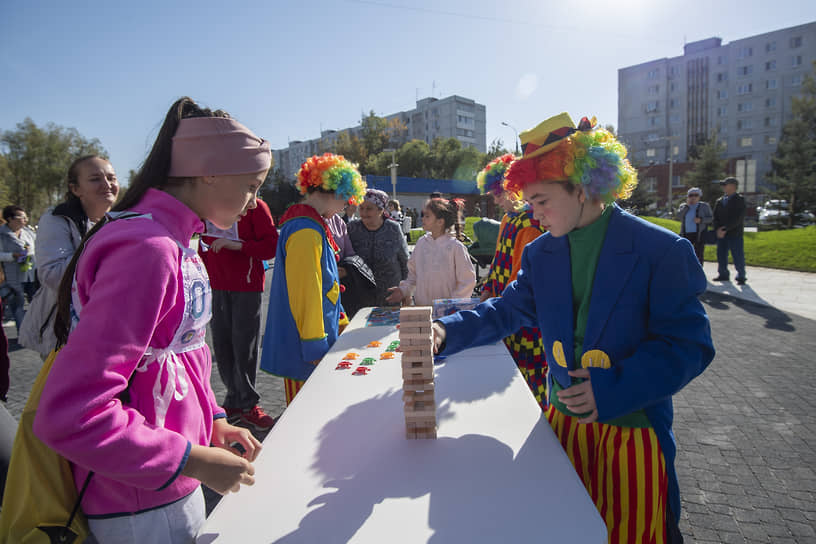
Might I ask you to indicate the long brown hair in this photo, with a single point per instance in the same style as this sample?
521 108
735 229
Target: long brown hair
152 174
448 211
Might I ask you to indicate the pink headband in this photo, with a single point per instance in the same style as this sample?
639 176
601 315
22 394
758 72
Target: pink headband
216 146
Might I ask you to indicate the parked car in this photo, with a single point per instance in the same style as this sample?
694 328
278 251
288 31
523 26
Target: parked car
773 215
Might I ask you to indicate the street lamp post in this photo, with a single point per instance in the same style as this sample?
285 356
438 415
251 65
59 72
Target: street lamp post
505 123
393 167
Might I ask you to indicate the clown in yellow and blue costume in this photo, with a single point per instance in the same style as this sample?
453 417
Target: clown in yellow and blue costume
305 313
518 228
616 300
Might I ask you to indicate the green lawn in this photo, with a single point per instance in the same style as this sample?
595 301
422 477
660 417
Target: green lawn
793 249
417 232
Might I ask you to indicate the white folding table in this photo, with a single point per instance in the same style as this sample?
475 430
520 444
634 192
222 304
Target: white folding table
337 466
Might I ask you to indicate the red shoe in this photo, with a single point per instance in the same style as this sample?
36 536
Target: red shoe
257 418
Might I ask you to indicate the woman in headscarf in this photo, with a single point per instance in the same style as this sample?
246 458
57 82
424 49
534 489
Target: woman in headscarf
379 241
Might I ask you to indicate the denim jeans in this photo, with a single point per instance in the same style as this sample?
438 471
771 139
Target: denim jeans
733 244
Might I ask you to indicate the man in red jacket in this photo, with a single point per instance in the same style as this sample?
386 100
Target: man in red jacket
236 270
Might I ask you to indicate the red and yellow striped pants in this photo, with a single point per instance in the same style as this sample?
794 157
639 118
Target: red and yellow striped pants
624 472
291 388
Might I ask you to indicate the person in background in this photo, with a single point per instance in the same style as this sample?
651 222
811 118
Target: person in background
128 397
349 213
695 216
440 266
92 188
616 300
520 228
17 247
236 272
729 223
379 241
305 315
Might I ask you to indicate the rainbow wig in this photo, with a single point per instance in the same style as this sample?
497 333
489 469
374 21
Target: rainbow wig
331 173
593 159
491 178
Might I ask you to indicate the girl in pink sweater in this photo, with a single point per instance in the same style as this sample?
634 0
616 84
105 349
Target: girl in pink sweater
128 399
439 266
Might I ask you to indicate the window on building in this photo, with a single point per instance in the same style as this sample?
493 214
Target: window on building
744 124
651 106
770 102
674 119
795 42
770 121
722 76
796 80
677 181
746 141
744 52
651 184
745 88
770 84
742 107
653 90
672 87
770 46
722 110
770 65
796 60
676 150
672 103
651 152
673 71
724 126
770 140
654 121
722 94
721 60
746 70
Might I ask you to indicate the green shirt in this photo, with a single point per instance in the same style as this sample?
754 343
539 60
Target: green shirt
585 248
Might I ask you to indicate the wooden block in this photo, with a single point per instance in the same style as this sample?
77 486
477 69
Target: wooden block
417 343
427 415
416 313
418 396
413 363
413 352
418 374
410 335
417 385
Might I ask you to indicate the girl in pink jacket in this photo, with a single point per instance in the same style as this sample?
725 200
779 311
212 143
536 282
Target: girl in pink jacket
439 266
128 401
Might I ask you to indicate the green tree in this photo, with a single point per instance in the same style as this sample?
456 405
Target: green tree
374 135
352 148
794 163
708 169
496 149
414 159
37 160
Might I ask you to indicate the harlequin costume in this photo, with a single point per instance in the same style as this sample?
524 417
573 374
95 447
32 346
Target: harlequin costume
644 336
305 313
518 229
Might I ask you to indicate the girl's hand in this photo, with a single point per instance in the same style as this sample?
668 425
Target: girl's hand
579 399
223 243
394 295
485 295
438 335
224 435
218 469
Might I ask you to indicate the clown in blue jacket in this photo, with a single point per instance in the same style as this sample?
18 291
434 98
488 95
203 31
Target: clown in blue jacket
615 298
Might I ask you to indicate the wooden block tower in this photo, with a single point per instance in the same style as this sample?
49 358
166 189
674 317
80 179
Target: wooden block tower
416 344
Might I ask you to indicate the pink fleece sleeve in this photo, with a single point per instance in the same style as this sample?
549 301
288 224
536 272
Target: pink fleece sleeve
128 284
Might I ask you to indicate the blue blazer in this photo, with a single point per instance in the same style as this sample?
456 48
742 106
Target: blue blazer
647 334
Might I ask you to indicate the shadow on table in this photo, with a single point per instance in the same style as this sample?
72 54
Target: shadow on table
479 491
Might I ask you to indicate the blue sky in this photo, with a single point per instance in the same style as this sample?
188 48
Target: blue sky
287 69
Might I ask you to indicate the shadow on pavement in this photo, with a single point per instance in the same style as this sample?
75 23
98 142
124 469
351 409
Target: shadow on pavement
774 318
